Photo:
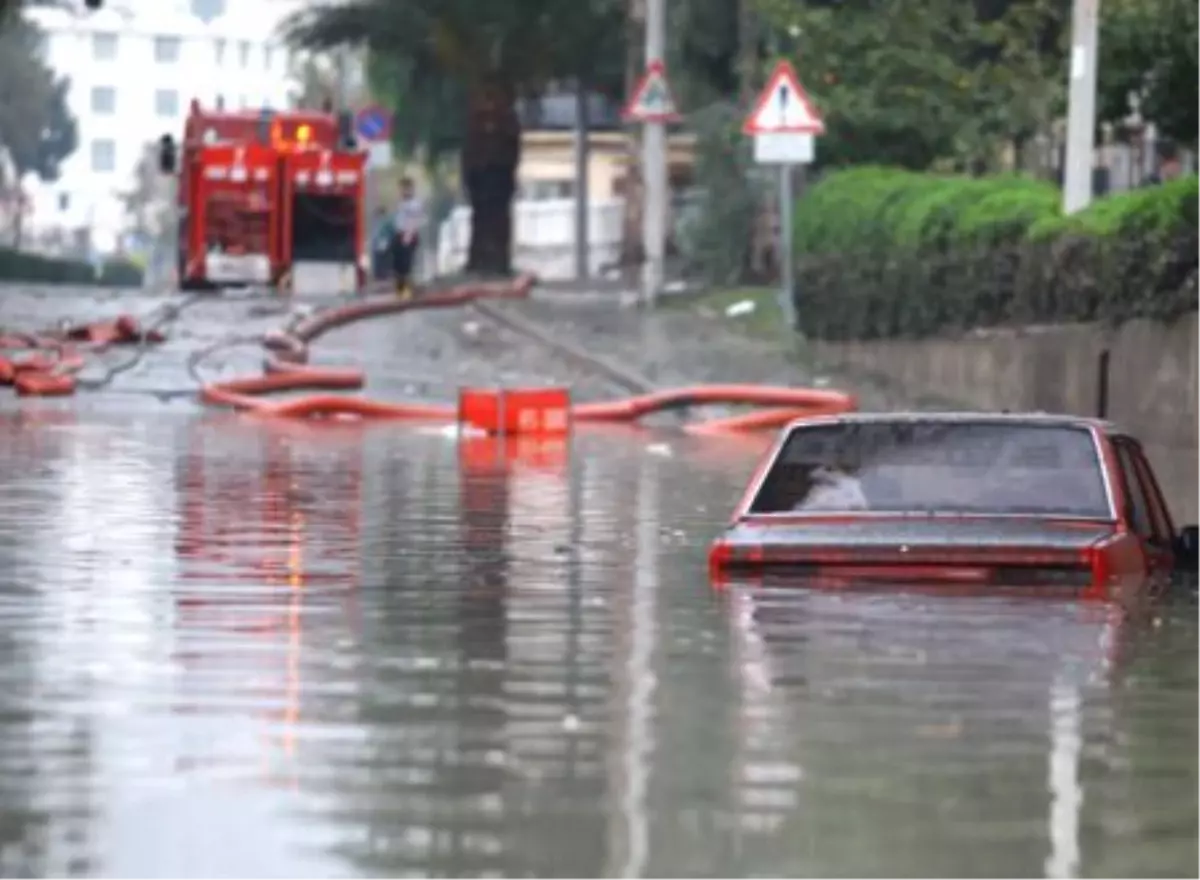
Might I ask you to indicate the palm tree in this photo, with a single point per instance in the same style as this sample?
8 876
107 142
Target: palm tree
495 51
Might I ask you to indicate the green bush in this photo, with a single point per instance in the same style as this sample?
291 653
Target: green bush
885 254
17 266
886 210
715 237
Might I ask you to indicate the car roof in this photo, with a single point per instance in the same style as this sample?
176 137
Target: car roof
1024 418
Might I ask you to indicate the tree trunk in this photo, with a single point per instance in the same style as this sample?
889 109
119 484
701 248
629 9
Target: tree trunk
491 153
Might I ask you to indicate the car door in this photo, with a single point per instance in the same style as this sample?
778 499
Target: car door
1147 518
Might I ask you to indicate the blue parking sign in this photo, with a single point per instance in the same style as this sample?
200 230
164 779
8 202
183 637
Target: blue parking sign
373 123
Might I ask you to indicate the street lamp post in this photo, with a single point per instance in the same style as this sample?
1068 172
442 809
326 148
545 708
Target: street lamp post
1081 106
654 167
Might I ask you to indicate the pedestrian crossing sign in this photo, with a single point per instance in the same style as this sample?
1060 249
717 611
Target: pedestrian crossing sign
652 100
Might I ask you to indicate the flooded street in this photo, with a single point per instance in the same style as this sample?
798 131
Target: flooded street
250 649
236 647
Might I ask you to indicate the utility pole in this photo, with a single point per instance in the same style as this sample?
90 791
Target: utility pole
582 163
1081 106
341 98
654 167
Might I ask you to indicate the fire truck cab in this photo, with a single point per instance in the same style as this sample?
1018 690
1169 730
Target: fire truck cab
269 198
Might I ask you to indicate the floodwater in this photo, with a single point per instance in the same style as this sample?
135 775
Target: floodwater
236 649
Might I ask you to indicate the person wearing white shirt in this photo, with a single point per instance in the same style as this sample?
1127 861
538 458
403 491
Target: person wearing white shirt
407 223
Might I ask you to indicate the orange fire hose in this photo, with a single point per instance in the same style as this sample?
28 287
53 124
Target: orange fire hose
56 357
286 368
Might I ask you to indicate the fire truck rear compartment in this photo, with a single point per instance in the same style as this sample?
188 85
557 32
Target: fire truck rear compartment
323 228
237 223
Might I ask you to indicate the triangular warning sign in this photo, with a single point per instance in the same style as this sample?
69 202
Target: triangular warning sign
652 100
783 107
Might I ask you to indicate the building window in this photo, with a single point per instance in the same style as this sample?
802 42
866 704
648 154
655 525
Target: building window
166 102
219 51
104 156
540 190
104 47
104 100
64 201
166 50
244 51
207 10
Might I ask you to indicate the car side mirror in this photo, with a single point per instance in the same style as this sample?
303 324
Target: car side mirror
1187 549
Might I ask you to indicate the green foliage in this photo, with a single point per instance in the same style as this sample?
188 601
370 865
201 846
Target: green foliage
36 126
1148 61
887 253
429 112
715 238
888 210
22 266
913 84
702 46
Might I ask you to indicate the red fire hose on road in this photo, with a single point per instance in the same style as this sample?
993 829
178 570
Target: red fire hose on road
56 357
287 369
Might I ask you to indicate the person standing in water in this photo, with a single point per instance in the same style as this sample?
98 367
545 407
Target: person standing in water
407 222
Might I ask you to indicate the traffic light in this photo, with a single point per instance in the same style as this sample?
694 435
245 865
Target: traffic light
167 155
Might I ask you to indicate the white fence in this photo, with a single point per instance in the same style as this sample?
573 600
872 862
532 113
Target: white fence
543 237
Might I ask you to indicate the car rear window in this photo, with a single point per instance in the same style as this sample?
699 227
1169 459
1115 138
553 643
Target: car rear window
937 466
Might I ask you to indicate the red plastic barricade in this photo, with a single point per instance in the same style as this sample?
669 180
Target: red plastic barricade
541 412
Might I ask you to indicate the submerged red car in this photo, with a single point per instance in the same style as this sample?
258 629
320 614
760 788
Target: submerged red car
963 499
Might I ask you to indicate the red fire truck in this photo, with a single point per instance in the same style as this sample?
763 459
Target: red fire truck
268 198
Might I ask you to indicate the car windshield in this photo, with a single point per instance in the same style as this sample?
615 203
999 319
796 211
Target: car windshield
915 466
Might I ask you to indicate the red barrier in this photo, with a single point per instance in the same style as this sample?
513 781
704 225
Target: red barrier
509 411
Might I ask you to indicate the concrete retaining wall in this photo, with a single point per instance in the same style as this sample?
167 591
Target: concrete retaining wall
1152 381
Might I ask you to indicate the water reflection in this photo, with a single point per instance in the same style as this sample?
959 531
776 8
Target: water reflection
377 651
927 726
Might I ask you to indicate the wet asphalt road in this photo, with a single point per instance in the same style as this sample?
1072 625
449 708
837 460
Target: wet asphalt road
244 649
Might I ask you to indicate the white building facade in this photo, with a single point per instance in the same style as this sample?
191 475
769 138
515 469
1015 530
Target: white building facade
134 67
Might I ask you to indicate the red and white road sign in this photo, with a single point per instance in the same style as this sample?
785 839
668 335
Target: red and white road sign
783 107
652 100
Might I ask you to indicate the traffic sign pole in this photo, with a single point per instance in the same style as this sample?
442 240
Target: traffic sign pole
784 124
653 104
654 164
787 302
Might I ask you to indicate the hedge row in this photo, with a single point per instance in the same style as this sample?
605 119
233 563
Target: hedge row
22 266
886 253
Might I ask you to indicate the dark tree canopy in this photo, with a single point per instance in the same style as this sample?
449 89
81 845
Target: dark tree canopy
459 67
36 126
1148 64
910 84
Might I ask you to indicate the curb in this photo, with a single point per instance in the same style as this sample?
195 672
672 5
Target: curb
625 379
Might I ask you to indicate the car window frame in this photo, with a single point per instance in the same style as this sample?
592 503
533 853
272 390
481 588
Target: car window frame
777 457
1134 491
1159 511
